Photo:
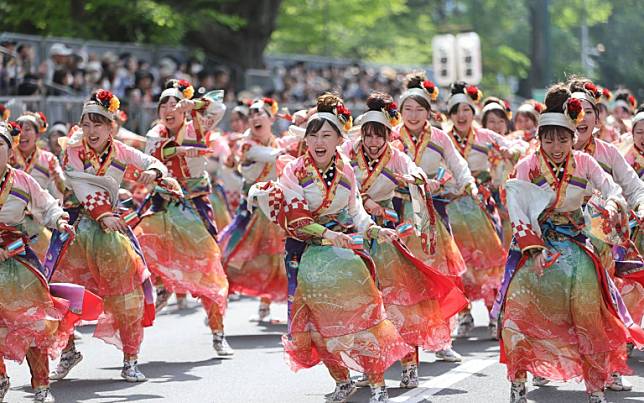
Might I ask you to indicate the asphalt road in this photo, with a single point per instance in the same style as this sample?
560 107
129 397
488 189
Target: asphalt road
178 359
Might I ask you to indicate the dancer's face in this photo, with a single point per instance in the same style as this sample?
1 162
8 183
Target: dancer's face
414 115
5 152
28 137
260 123
169 116
496 123
462 118
97 132
638 135
523 122
557 145
322 144
587 125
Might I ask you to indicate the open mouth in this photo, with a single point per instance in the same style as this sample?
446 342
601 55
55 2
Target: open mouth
558 156
93 139
320 152
582 129
373 150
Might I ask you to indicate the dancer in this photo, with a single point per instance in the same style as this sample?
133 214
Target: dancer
433 151
336 313
33 323
44 167
416 296
105 256
178 237
253 246
555 291
475 222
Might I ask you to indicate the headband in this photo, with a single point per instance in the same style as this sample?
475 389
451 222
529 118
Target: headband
585 97
557 119
330 117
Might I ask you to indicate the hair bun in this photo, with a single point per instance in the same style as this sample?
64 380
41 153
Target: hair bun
556 98
415 79
378 101
327 101
457 87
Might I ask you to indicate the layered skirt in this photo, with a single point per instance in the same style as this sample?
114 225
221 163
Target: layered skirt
337 315
253 249
480 247
183 253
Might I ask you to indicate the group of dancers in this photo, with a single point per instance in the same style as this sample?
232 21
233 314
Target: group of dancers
378 232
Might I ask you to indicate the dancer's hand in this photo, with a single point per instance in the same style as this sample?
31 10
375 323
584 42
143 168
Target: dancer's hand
387 235
111 223
148 176
432 185
185 105
338 239
4 255
63 226
374 208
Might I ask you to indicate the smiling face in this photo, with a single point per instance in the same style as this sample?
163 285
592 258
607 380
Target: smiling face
28 137
374 138
524 122
97 131
169 117
238 124
638 135
495 122
323 143
414 115
556 143
260 123
462 118
587 125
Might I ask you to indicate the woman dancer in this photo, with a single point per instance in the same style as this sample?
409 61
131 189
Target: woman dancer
336 314
105 256
555 291
433 151
475 221
33 323
178 238
415 295
43 166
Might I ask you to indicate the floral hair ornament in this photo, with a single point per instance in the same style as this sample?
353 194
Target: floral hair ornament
572 115
427 90
180 89
269 105
340 117
37 119
9 131
388 116
607 95
471 95
103 103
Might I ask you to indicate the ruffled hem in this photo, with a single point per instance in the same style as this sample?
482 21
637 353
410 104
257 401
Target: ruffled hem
370 351
421 324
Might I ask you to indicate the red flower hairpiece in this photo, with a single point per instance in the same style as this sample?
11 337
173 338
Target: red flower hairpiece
431 89
607 94
473 92
185 87
391 112
344 115
14 128
108 100
43 119
632 101
574 109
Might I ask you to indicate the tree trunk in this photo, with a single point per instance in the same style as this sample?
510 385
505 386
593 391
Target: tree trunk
243 48
539 52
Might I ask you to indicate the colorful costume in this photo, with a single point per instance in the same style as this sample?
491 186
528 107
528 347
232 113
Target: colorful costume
549 316
178 237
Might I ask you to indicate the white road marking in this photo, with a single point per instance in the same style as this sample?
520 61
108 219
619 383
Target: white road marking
432 386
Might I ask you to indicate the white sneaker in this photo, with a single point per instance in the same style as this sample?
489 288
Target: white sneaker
221 346
448 355
539 381
465 324
4 387
43 395
68 360
131 372
341 393
597 397
379 395
409 377
619 384
518 392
